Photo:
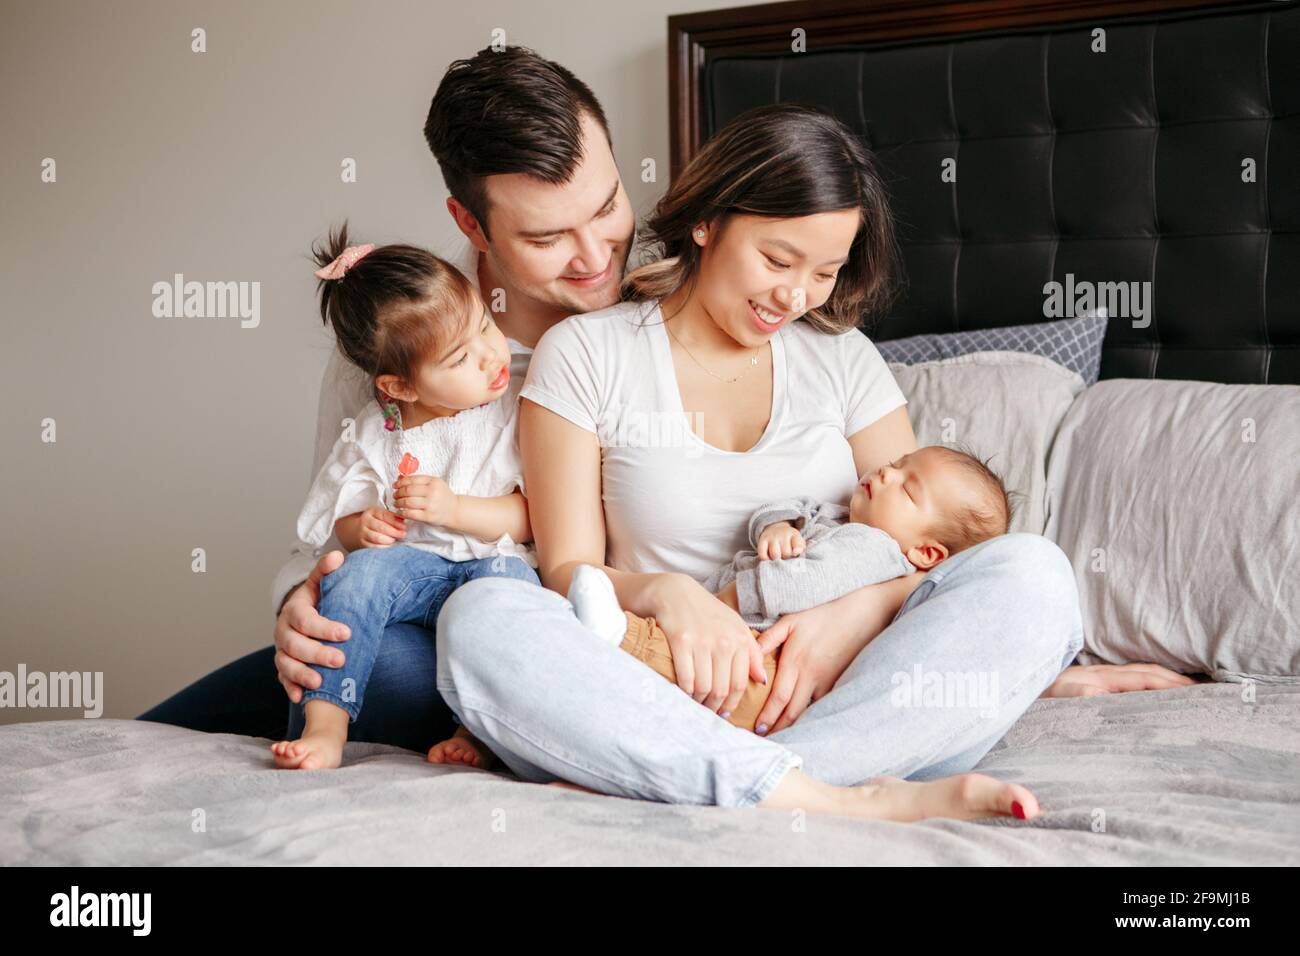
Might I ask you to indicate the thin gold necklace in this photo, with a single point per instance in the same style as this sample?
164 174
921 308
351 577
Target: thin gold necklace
753 360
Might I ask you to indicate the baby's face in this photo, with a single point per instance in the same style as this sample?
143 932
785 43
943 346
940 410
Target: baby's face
471 370
905 498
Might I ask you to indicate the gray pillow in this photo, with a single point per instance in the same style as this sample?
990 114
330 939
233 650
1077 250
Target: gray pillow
1176 503
1074 343
1003 407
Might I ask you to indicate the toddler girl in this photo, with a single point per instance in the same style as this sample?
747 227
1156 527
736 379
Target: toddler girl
425 488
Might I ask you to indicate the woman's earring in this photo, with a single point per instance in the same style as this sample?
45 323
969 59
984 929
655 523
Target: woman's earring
699 234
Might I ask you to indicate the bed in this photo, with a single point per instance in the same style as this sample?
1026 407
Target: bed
1062 169
1185 777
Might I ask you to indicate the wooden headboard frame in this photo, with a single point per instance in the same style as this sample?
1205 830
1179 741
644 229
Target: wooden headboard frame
765 28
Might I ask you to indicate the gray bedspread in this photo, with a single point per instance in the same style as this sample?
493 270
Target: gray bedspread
1189 776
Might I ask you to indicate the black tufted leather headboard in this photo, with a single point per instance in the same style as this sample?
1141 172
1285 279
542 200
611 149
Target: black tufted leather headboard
1171 158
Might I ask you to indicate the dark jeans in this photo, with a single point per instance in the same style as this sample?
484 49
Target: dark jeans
243 697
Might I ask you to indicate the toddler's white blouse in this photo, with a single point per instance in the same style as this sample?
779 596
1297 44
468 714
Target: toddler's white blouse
475 451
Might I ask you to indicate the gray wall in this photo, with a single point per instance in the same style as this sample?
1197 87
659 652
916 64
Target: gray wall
176 434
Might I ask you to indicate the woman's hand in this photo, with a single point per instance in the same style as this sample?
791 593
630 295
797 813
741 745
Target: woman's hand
713 651
819 644
300 629
1081 680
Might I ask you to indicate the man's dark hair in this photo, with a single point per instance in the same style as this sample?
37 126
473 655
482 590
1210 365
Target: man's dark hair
507 111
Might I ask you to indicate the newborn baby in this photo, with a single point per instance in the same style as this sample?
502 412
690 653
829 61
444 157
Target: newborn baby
909 515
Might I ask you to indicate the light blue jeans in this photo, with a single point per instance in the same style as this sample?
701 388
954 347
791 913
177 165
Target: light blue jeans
974 645
378 587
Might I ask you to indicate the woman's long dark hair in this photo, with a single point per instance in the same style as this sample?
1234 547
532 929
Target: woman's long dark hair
780 161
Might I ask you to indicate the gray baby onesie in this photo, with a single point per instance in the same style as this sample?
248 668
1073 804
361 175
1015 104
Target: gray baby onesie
838 557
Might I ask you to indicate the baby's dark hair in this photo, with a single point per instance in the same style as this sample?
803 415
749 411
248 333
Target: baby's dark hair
966 525
393 308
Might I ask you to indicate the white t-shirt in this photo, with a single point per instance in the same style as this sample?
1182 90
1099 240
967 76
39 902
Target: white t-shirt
345 392
476 452
672 501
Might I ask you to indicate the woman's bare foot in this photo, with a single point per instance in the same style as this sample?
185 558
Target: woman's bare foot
462 747
967 796
321 745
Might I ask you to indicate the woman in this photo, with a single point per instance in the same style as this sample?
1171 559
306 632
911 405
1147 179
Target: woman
775 240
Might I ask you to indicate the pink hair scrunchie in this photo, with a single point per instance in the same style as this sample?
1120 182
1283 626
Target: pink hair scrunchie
344 261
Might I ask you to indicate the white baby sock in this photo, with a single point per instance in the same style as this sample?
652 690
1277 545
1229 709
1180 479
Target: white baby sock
591 593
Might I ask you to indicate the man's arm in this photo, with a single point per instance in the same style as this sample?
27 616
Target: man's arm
344 391
291 574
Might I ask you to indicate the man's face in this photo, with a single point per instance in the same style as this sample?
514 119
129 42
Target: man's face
563 246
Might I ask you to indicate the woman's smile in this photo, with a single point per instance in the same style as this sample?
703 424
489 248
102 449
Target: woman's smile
765 320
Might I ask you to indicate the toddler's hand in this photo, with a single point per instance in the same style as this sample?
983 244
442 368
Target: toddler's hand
779 541
426 498
380 528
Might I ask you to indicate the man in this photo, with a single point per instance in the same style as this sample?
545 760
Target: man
524 150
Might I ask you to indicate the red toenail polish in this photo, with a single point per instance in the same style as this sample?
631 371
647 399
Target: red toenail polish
1017 809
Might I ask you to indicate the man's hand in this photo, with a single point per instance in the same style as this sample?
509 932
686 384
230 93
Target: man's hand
300 629
426 498
380 528
780 541
1081 680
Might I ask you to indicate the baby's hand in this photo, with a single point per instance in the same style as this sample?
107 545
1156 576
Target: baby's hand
380 528
426 498
779 541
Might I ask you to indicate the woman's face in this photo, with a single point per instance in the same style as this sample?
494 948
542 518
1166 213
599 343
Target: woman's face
758 274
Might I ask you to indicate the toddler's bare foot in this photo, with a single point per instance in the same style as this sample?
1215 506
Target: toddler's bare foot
321 745
462 748
312 751
967 796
